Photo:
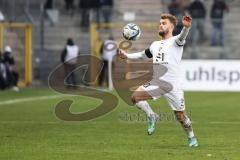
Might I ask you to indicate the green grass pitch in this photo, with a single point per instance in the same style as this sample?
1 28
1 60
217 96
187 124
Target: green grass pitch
29 130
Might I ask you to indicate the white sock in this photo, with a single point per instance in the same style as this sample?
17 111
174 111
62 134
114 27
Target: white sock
144 106
190 134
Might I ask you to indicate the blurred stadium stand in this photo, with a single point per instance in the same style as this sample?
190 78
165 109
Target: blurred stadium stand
48 41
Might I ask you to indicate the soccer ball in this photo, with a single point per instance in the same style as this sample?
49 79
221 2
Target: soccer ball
131 32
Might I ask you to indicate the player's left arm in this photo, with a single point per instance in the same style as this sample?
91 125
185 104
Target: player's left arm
187 22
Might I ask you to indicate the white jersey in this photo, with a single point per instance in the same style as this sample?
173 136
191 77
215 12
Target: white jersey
168 53
72 53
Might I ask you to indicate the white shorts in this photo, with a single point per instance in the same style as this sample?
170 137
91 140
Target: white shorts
174 97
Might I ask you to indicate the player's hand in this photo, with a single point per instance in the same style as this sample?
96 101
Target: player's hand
121 54
187 21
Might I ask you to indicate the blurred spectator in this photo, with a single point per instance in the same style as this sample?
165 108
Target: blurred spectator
95 11
108 51
198 12
217 13
69 6
106 10
2 18
84 9
176 8
69 58
3 74
48 4
12 76
89 11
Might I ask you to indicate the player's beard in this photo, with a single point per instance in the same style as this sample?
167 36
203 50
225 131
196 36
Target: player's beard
163 33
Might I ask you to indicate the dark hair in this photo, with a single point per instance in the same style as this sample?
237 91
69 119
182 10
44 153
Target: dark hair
70 42
170 17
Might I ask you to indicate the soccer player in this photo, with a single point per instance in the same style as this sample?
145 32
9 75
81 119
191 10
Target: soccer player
166 55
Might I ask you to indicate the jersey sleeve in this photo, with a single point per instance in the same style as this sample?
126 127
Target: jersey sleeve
147 53
181 38
136 56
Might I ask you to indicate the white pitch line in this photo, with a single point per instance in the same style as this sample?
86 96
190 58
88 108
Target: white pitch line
30 99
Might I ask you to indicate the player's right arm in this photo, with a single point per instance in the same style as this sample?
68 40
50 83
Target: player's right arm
135 56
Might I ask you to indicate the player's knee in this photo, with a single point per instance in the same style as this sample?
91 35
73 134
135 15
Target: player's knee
183 119
135 99
179 116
